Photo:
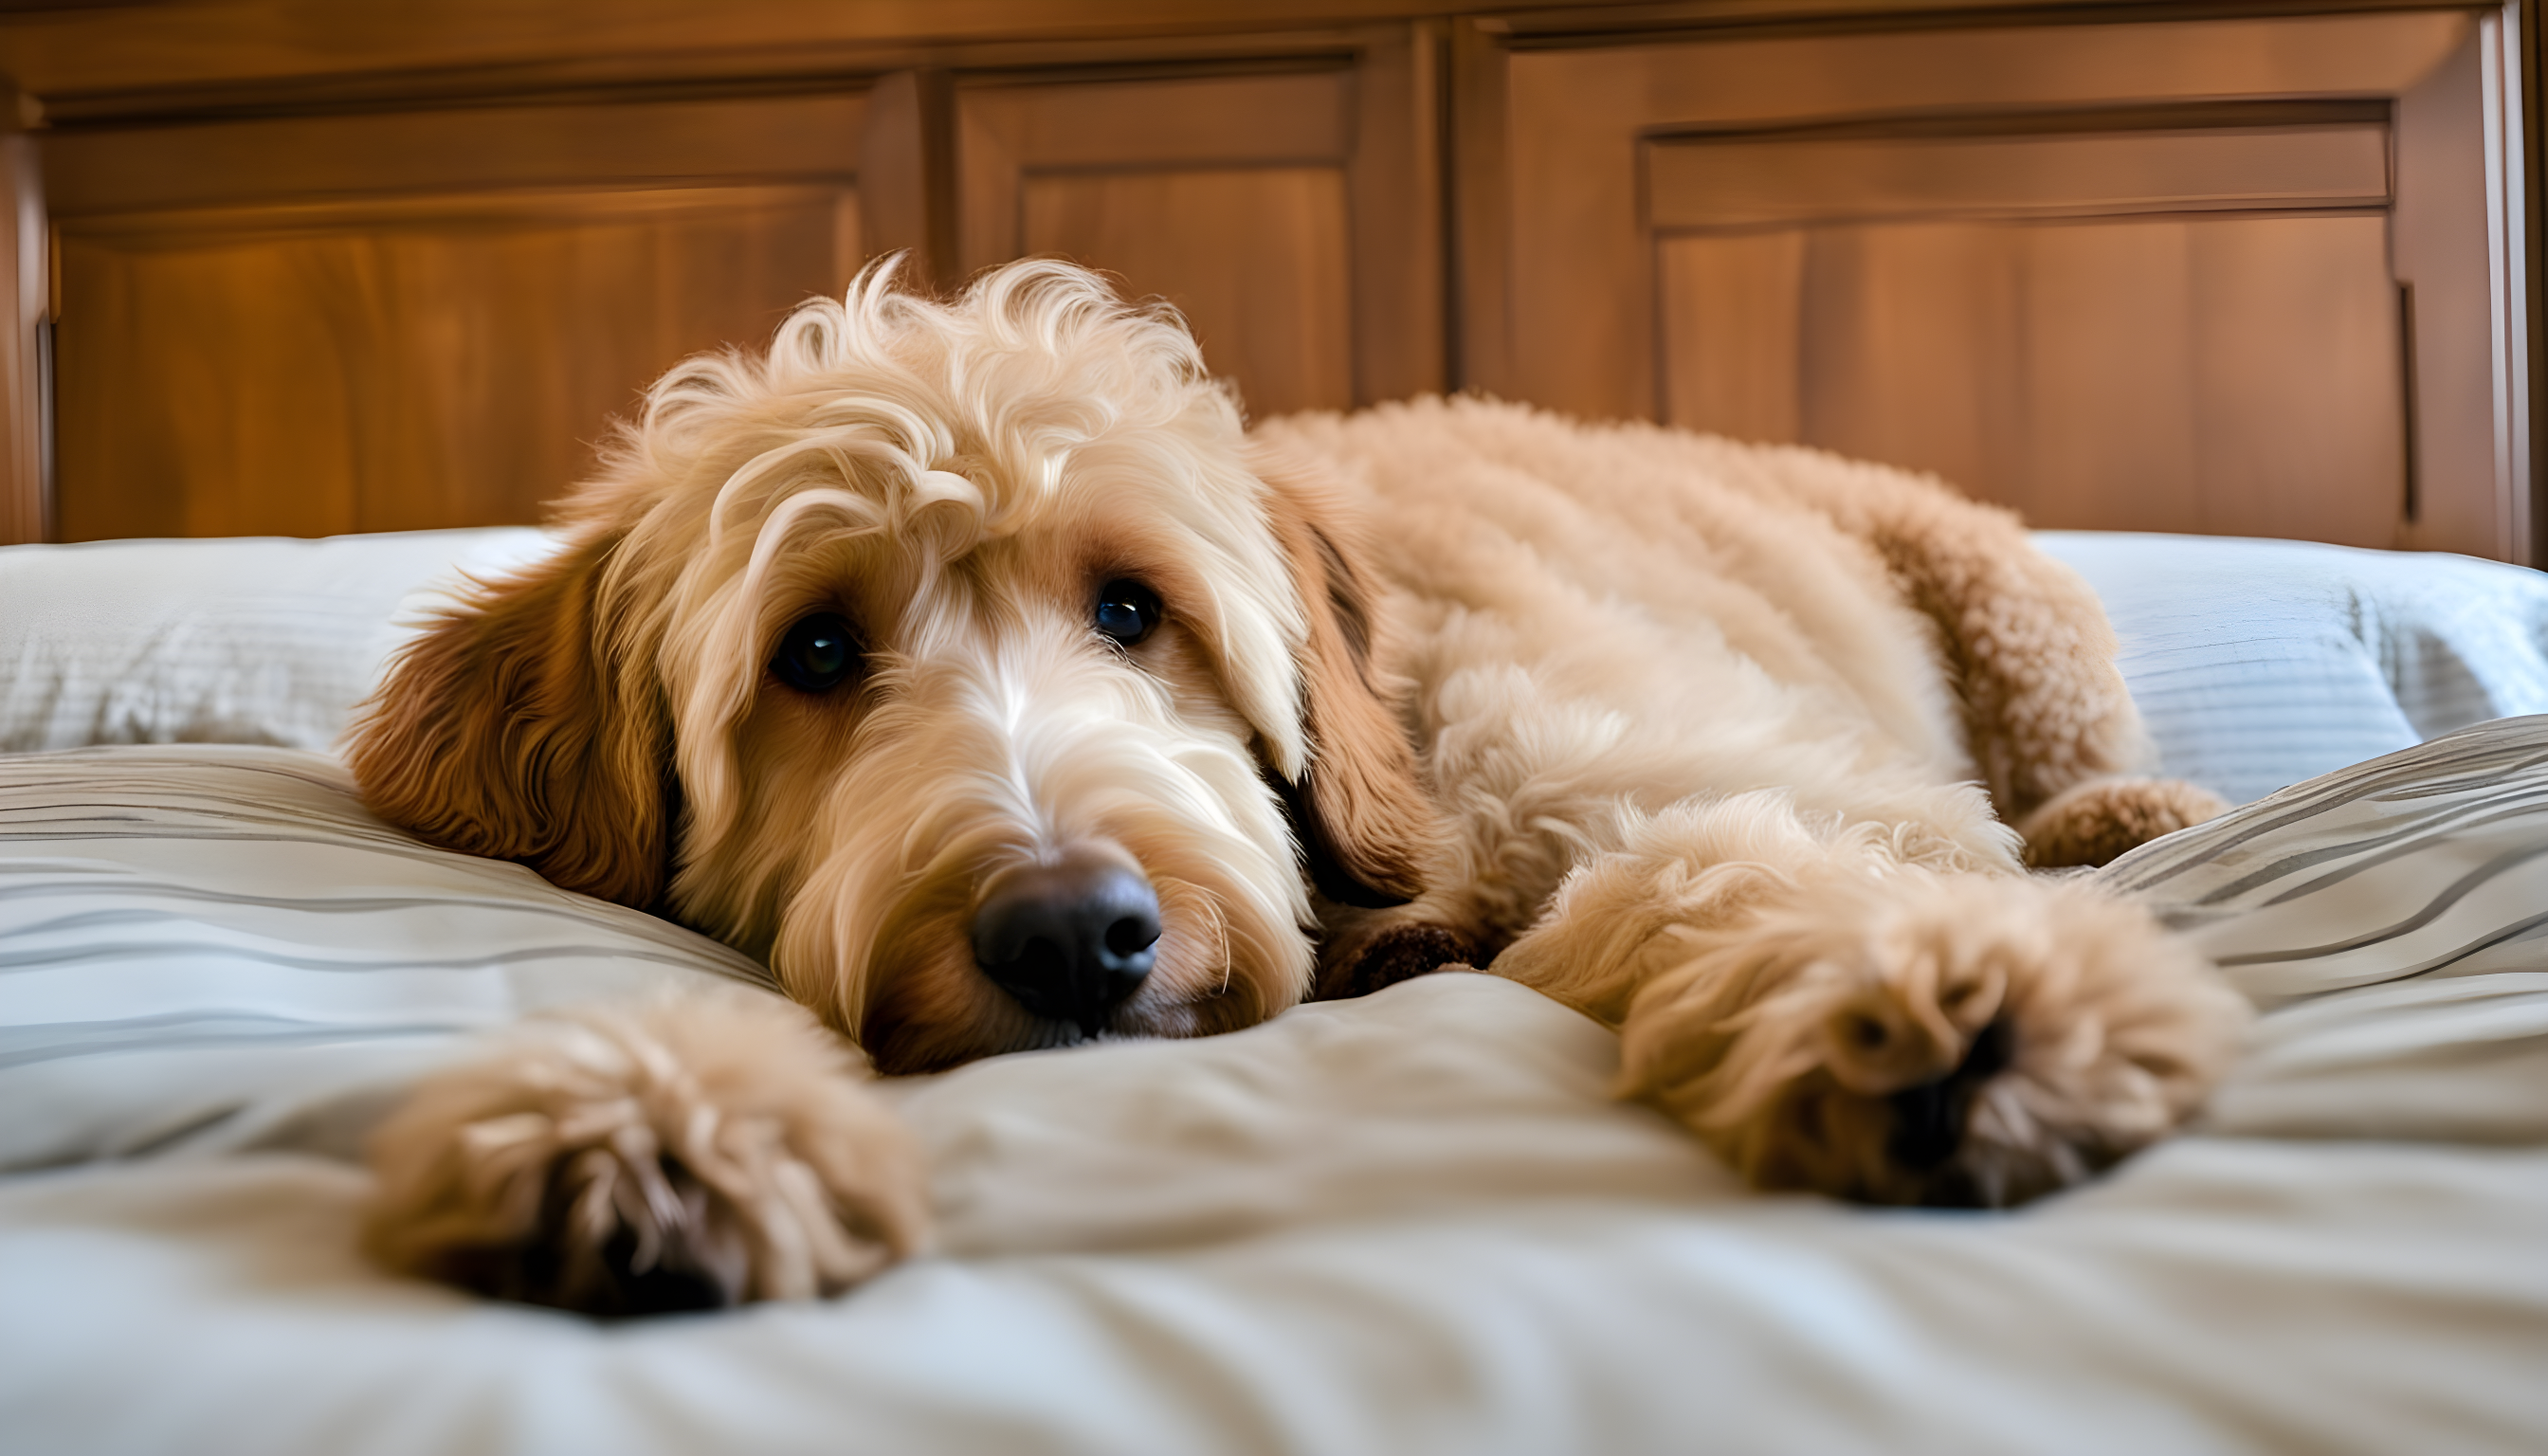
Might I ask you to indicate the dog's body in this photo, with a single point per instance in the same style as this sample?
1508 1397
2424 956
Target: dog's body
969 663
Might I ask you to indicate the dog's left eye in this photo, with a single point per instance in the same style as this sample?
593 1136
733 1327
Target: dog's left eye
817 653
1128 611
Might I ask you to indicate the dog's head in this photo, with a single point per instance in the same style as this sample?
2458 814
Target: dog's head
956 658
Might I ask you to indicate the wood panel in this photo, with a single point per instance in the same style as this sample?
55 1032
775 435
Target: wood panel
2150 162
26 469
101 59
2236 376
2164 366
1578 251
1255 259
2130 275
217 378
1684 210
2467 306
1733 349
1292 216
1223 195
457 150
412 320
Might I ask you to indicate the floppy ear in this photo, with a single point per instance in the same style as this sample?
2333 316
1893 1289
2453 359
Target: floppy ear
503 731
1361 808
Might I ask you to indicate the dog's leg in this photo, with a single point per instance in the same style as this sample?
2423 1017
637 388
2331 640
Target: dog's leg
1829 1013
2093 822
2050 726
698 1150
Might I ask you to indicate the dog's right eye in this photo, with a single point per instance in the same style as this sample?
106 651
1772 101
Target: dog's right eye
1128 611
817 653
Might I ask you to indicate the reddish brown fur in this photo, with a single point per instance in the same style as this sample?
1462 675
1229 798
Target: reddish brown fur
507 732
1371 808
2026 642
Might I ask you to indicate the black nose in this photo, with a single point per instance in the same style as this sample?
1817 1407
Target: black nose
1069 940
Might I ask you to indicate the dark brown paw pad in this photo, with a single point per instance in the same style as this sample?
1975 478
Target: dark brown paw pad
614 1241
1400 954
1929 1120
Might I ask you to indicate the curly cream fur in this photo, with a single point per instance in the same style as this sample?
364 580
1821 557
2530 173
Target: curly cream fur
1717 743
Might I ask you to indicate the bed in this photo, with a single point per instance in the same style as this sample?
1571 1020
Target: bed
1409 1222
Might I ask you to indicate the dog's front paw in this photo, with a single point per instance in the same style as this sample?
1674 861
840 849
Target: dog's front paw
1953 1039
1374 952
686 1154
2098 821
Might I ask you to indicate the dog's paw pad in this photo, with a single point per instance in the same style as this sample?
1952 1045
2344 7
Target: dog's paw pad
1951 1040
613 1237
1399 954
689 1155
1931 1118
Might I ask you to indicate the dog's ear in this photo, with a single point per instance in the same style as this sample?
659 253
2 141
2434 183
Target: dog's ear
1360 807
505 731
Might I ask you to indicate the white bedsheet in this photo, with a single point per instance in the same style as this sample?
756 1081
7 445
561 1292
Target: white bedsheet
1405 1224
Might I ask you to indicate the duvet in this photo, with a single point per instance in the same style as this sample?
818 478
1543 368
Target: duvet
1413 1222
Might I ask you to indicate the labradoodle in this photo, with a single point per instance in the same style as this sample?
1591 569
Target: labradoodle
972 665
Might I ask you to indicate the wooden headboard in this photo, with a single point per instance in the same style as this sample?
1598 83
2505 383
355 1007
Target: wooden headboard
2256 268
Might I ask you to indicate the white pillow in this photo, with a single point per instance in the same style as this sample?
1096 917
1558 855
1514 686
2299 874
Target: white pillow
200 943
2259 663
251 640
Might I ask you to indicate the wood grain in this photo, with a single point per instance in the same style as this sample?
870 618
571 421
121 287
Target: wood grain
1733 312
2231 375
1257 261
1246 200
325 268
475 149
26 276
2059 266
219 378
1577 241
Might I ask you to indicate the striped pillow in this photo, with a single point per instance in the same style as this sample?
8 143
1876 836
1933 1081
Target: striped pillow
201 943
2429 863
2392 920
2260 664
212 948
254 640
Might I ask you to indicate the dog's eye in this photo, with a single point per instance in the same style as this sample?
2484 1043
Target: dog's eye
1128 611
817 653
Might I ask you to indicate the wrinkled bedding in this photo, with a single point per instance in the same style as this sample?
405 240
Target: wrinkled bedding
1410 1223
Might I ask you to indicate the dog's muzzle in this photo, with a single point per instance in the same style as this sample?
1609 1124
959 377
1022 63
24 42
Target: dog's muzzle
1070 940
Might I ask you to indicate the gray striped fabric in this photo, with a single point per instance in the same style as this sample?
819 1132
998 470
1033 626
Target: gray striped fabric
202 945
197 942
2426 864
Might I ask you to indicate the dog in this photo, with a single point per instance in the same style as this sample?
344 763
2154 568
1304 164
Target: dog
972 665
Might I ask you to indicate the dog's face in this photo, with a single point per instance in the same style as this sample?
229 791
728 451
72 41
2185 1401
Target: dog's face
955 658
